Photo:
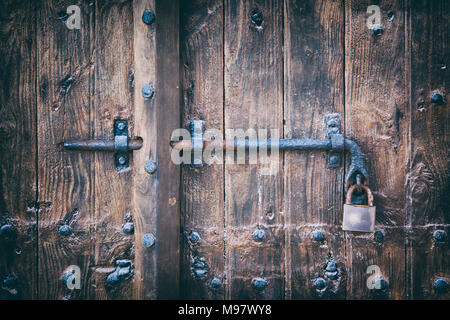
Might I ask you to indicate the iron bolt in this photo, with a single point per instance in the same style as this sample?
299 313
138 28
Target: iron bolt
259 283
148 240
65 230
150 166
259 235
148 91
318 235
148 17
378 236
128 228
320 283
437 98
440 285
376 30
257 18
194 237
439 236
216 283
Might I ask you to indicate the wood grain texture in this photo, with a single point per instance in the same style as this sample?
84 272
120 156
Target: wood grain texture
18 207
313 88
113 100
253 83
145 185
377 118
202 208
168 115
65 179
429 168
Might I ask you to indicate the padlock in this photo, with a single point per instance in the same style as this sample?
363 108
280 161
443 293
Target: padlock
359 217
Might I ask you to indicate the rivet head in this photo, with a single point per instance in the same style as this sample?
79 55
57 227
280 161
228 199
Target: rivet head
148 17
259 283
64 230
148 91
257 18
320 283
439 236
259 235
376 30
194 237
7 232
440 285
437 98
380 284
148 240
150 166
216 283
128 228
318 235
378 236
122 160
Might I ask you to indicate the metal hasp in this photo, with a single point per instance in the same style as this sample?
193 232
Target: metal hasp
121 145
335 144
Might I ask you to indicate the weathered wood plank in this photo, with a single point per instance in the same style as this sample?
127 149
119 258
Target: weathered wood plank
202 189
18 208
253 100
145 185
168 115
65 179
429 174
113 100
313 88
376 117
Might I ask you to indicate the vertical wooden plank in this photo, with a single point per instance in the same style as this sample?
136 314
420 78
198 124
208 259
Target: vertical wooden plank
18 209
428 177
253 83
145 185
168 115
377 119
202 189
65 179
314 87
113 100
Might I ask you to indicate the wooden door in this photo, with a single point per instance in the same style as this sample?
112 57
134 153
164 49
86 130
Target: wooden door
274 64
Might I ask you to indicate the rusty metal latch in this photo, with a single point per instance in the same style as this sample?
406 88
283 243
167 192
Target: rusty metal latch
335 144
121 145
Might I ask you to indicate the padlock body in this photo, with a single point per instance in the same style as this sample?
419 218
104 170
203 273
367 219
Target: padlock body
358 218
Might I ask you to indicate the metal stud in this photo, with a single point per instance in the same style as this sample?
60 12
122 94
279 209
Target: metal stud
259 235
194 237
148 17
148 91
318 235
320 283
128 228
440 285
216 283
378 236
439 237
437 98
64 230
259 283
150 166
148 240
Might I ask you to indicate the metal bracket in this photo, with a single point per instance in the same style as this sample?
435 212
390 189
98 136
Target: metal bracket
121 145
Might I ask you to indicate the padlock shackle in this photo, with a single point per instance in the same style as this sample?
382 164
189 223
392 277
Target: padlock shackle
348 199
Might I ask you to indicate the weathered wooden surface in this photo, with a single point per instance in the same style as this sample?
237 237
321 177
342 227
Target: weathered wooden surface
145 185
65 179
253 88
18 208
202 189
301 61
313 88
377 118
428 178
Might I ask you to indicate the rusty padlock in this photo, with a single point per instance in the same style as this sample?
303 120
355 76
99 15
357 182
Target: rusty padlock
359 217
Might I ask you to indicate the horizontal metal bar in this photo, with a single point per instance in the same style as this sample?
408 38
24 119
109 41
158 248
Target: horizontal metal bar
100 145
